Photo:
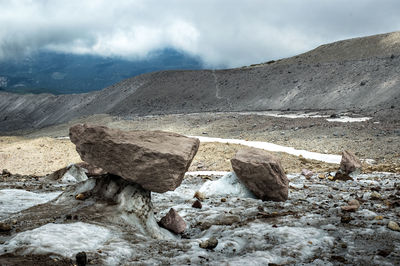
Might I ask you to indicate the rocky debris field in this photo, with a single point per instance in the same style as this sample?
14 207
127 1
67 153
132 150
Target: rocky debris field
311 227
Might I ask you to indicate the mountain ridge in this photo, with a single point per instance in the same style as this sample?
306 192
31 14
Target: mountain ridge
368 83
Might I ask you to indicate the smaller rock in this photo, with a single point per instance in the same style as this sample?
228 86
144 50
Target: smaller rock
341 176
352 206
307 173
173 222
210 243
349 163
377 188
205 226
384 252
81 258
5 227
346 219
393 226
223 199
197 204
5 172
82 196
375 195
227 220
340 259
200 196
262 173
354 202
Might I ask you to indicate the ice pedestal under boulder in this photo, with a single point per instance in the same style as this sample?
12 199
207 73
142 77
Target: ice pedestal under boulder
112 200
227 186
106 200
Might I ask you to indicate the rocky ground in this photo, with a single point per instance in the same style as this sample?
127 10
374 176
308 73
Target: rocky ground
376 139
309 228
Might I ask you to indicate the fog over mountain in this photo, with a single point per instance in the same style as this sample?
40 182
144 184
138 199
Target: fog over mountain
222 33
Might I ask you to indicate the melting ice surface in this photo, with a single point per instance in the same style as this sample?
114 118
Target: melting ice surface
309 235
15 200
69 239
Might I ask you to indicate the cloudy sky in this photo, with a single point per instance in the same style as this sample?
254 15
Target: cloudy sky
221 32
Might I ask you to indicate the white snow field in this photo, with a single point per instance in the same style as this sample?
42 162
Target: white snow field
328 158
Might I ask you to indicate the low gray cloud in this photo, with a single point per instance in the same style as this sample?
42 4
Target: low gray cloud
221 32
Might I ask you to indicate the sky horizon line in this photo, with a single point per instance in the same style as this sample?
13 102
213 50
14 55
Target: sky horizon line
222 33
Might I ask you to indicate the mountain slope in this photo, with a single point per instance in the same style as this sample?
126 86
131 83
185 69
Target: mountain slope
321 79
59 73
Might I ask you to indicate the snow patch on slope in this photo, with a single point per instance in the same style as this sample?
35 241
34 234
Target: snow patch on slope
347 119
328 158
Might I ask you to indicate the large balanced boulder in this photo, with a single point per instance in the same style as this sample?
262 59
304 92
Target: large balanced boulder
261 173
154 159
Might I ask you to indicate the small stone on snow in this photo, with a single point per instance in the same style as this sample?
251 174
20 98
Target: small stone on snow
393 226
210 243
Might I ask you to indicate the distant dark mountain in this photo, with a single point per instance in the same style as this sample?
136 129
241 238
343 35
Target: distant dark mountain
58 73
356 74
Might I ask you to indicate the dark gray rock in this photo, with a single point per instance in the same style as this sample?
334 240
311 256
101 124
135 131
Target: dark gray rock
81 259
197 204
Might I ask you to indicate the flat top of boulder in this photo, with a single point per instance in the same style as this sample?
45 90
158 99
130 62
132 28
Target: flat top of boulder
150 139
